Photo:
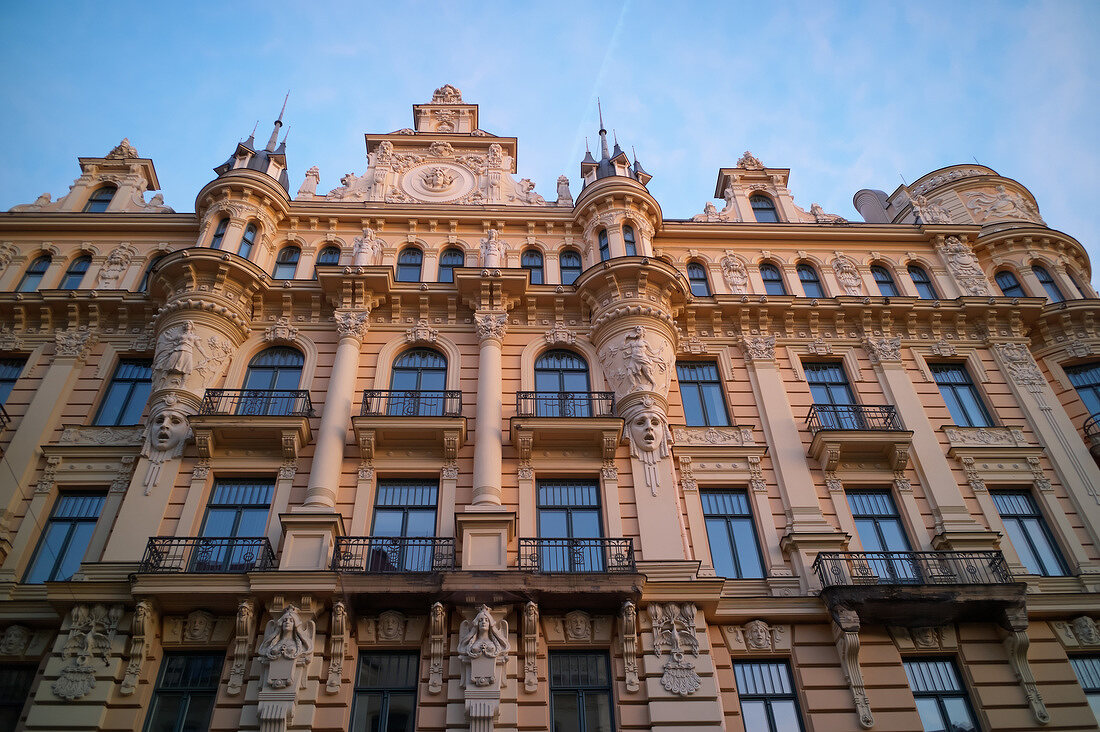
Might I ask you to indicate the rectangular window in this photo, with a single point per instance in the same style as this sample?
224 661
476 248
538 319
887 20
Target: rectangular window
733 546
1029 533
834 401
941 699
1085 379
1087 669
10 368
404 508
768 701
184 697
580 692
15 687
235 524
962 398
385 693
568 520
125 399
701 391
879 527
66 538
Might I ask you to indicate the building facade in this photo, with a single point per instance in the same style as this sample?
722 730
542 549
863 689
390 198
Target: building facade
431 451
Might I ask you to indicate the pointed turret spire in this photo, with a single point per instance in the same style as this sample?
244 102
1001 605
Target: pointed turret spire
605 154
612 162
250 143
278 123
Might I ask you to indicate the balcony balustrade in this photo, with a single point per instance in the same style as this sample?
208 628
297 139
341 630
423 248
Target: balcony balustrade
384 402
918 588
393 554
577 556
428 421
267 420
4 418
207 554
565 404
858 432
853 417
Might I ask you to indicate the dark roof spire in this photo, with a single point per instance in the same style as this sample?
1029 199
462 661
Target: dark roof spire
278 123
605 153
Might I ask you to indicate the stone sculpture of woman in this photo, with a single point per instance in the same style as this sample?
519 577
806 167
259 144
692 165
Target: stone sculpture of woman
482 644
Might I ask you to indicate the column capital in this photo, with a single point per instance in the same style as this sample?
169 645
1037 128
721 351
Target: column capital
352 323
883 350
758 348
73 343
491 325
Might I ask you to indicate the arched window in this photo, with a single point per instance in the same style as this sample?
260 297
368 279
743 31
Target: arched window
1077 285
450 259
100 200
628 240
144 286
885 281
531 260
271 382
923 283
417 384
697 278
605 248
329 256
570 264
773 280
286 264
763 209
561 386
811 283
1010 286
33 276
1048 283
74 275
247 240
408 264
219 234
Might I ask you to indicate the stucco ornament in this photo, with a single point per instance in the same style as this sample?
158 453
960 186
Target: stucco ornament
447 94
758 635
15 641
492 249
111 271
352 323
530 647
73 343
437 646
964 266
245 628
1001 203
40 203
1086 631
141 635
565 197
930 212
737 276
1020 365
629 620
633 363
366 249
710 213
123 151
308 189
164 440
287 645
674 632
525 193
483 648
748 161
825 218
337 641
490 325
883 350
649 439
578 626
181 352
758 348
91 630
848 274
391 626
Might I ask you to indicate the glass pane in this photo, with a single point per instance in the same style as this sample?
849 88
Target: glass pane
868 537
958 714
693 405
75 551
930 716
401 715
199 709
420 523
893 536
165 712
586 524
597 712
566 711
1048 556
715 405
748 555
388 522
786 716
553 523
1022 546
253 522
721 548
219 522
1094 702
367 714
756 716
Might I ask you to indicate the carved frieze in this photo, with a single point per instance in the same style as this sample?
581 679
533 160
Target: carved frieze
1000 204
101 436
986 437
713 436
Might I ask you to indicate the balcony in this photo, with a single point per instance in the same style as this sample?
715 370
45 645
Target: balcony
424 420
577 556
4 418
207 555
918 588
578 421
1092 434
858 432
253 419
393 554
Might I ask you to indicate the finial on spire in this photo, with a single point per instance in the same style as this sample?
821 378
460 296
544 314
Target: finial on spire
254 128
284 105
600 108
615 133
274 139
586 148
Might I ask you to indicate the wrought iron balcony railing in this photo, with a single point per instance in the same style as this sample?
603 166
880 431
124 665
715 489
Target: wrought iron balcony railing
393 554
4 418
387 403
564 556
207 554
839 569
853 417
1092 427
565 404
257 402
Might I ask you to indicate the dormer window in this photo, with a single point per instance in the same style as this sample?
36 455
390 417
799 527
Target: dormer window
628 240
101 199
763 209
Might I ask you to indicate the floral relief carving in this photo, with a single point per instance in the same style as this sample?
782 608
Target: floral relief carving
964 266
847 274
735 273
674 633
73 343
713 436
883 350
352 323
758 348
92 629
1020 365
491 325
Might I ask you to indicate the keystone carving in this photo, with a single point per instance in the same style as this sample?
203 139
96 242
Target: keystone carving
421 333
674 632
281 330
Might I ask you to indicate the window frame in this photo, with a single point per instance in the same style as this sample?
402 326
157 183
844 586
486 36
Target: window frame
406 269
1088 390
282 266
1050 285
1001 276
248 240
11 369
75 272
926 288
815 279
96 202
360 690
605 245
35 272
131 384
745 518
218 238
940 695
774 286
147 275
67 540
449 260
969 387
630 244
767 697
562 269
532 261
719 385
770 207
187 692
581 691
1029 526
698 281
884 279
1092 691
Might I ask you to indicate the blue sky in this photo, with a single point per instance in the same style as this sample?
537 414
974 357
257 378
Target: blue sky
848 95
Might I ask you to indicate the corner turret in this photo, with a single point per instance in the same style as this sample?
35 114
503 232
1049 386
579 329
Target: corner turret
271 160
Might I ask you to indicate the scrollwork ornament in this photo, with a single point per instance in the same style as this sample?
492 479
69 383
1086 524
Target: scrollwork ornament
73 343
1020 365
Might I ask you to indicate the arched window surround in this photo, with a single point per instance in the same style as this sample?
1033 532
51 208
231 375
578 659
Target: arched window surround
698 279
562 384
883 276
630 244
532 261
1046 279
34 273
248 240
562 256
764 209
1008 279
392 350
286 263
926 287
100 199
809 276
449 259
218 238
410 263
771 275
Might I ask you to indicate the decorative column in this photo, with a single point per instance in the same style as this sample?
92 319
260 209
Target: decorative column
485 527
